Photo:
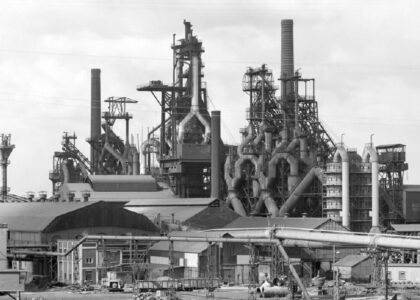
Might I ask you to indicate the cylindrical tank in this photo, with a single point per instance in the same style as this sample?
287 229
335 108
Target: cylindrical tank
274 291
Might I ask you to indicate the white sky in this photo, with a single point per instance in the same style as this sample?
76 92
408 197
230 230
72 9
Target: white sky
363 54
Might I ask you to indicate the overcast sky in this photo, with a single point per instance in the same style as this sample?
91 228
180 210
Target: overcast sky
365 56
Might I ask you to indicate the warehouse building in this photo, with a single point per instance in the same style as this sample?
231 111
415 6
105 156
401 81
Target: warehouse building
35 228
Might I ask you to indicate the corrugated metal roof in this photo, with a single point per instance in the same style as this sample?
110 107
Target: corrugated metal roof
131 196
212 217
122 178
259 222
181 213
351 260
406 227
35 216
170 202
123 183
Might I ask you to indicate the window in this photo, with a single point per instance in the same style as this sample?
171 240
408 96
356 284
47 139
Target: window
401 275
89 260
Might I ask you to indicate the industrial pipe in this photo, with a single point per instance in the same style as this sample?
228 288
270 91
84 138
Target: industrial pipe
195 108
119 157
269 203
294 169
232 198
302 186
367 240
66 173
136 162
268 141
215 154
345 174
371 156
282 145
260 135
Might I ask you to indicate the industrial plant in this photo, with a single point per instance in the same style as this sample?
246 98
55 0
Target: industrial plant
289 212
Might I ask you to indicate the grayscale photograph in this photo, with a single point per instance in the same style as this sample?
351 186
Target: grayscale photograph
209 149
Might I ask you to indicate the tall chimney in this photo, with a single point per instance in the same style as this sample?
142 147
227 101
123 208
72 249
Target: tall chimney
215 154
287 59
95 114
6 149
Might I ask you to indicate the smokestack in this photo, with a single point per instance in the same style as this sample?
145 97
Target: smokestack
6 149
287 59
215 154
95 114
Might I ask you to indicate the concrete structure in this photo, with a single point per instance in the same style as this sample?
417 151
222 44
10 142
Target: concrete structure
355 268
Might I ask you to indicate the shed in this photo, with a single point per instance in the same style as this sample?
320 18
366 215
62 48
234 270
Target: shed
44 222
355 268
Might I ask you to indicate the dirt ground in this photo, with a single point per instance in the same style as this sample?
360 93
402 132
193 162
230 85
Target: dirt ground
230 293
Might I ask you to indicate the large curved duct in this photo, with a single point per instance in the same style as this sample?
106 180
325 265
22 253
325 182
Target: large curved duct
265 197
302 186
371 156
66 173
269 203
232 197
260 135
239 163
282 145
119 157
345 174
294 169
195 109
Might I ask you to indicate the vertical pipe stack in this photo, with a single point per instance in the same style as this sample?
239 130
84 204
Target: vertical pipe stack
346 193
215 154
375 194
6 149
95 114
287 59
370 155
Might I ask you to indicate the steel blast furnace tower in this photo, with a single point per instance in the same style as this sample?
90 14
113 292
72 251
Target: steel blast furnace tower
183 145
284 145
